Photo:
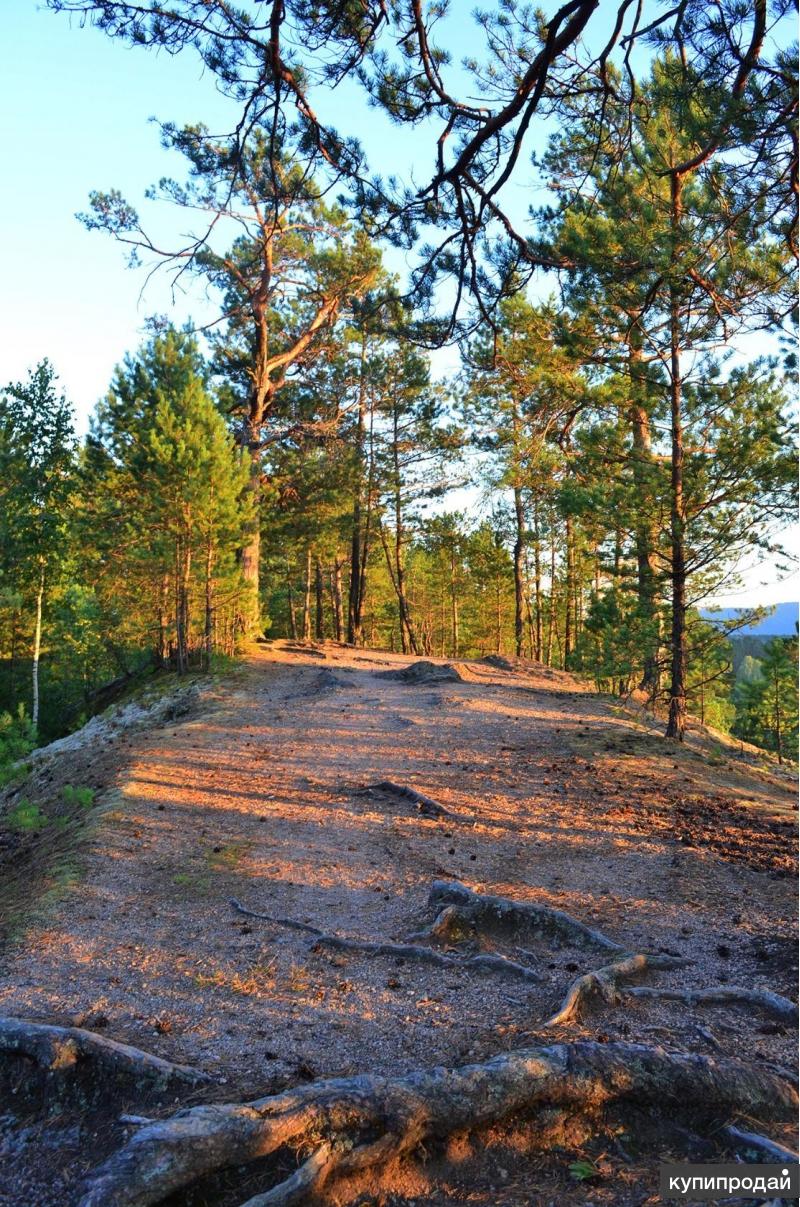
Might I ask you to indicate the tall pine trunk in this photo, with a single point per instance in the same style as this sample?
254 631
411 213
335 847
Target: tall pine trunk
551 611
37 647
454 605
336 599
307 598
162 653
290 603
645 536
569 591
358 544
519 572
209 611
319 626
676 725
537 583
260 399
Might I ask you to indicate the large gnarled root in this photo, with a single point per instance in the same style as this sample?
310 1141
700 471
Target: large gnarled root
60 1051
514 920
369 1120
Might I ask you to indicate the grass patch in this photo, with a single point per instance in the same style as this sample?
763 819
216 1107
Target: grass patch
26 818
227 858
192 882
82 797
13 773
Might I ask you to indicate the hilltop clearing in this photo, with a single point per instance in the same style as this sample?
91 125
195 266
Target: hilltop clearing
328 789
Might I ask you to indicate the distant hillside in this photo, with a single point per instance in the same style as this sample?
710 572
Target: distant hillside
781 623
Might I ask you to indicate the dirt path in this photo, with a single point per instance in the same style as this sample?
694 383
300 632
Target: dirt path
561 799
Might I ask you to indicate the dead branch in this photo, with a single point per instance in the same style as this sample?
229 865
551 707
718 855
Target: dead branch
348 1113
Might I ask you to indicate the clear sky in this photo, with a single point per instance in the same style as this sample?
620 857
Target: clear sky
74 110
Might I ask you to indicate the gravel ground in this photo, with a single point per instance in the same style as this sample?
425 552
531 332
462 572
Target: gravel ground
262 793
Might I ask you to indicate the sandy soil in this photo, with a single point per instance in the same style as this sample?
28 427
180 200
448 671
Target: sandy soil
263 795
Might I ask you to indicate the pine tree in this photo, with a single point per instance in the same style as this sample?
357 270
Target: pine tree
37 456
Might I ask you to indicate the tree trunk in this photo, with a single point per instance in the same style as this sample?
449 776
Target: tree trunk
406 629
162 653
183 558
290 603
454 604
319 626
519 576
778 720
37 646
251 550
336 599
498 642
355 601
209 618
645 537
551 611
307 599
537 583
676 725
569 590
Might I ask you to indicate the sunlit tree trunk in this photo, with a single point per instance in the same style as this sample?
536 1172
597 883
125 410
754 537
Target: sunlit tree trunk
209 616
290 602
569 590
519 572
537 583
37 647
307 598
319 626
336 599
645 538
676 725
359 539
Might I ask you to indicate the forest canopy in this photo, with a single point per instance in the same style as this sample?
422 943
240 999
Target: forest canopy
604 455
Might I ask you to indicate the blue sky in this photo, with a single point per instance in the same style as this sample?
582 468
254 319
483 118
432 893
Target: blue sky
74 110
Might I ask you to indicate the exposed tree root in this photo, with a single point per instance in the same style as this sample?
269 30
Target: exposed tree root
425 804
604 983
308 1179
722 995
60 1050
516 919
486 962
760 1144
291 923
483 963
366 1121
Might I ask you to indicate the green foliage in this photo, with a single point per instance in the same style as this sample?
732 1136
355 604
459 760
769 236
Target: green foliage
26 818
167 494
767 703
613 641
17 737
583 1170
82 797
